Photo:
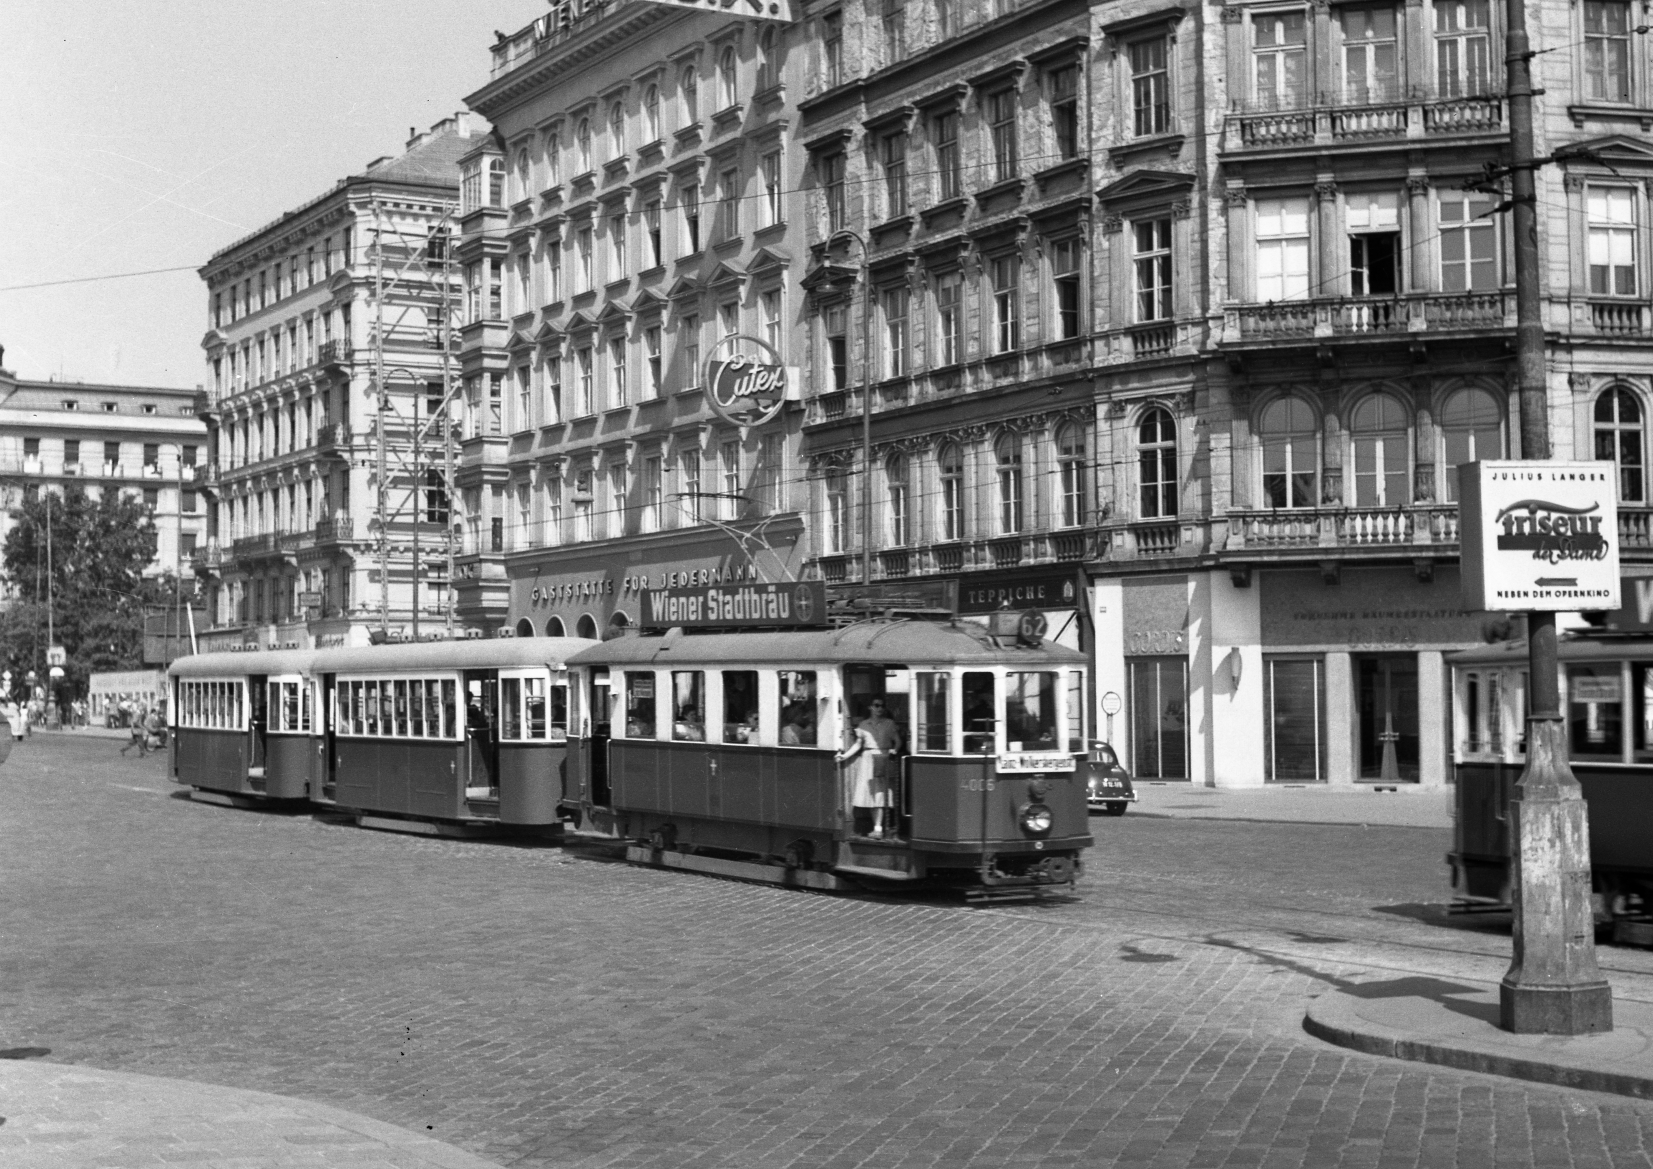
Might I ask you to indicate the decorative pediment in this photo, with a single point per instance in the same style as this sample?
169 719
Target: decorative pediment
213 340
613 312
829 280
547 332
767 258
725 273
521 341
1147 186
831 143
647 301
684 288
1608 150
1002 236
894 121
580 321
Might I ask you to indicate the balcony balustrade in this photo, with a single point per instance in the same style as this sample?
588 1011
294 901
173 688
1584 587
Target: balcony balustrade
1329 118
1344 527
1613 318
1428 312
336 352
333 434
335 530
262 544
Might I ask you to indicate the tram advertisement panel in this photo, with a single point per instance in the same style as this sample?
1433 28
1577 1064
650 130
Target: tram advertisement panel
1539 535
796 603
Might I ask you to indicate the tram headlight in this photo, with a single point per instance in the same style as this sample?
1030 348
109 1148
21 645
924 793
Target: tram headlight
1037 819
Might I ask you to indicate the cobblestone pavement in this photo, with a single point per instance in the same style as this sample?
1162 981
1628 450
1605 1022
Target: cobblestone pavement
542 1010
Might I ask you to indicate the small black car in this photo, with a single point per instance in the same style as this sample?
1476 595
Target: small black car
1108 786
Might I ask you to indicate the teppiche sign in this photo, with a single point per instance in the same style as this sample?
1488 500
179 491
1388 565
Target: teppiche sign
1539 536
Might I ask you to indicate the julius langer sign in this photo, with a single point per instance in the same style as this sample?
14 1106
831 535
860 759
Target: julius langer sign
1539 536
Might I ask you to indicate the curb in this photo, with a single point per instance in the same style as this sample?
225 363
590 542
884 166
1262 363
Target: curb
1331 1018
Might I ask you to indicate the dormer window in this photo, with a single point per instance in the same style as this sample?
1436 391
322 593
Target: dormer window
70 404
109 407
149 407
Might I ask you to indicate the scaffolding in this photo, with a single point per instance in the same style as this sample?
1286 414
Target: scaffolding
416 270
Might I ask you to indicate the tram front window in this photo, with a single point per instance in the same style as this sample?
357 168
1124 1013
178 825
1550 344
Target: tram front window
799 719
1595 715
1030 711
689 706
980 713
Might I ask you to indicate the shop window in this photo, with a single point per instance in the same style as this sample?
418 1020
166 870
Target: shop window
1378 436
1641 681
1472 427
1595 711
1618 431
1156 437
1159 717
1295 700
1290 434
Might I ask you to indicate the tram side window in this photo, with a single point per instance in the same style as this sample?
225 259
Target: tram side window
935 722
510 708
1595 711
416 707
547 709
689 706
1030 711
372 689
740 706
640 722
1641 679
979 713
1076 710
1475 732
304 706
800 721
450 729
289 707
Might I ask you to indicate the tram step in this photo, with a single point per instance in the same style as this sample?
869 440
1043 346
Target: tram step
426 828
222 799
746 870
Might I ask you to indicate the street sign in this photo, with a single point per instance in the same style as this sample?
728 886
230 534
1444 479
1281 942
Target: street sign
309 600
1539 536
1112 704
56 655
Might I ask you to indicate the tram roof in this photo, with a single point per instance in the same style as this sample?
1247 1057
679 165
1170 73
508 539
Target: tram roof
1568 649
232 665
960 643
479 654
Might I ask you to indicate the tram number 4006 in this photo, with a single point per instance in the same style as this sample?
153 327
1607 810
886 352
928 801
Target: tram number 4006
978 783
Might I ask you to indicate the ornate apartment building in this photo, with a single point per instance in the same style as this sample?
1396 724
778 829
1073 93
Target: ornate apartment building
632 210
146 441
1175 322
296 554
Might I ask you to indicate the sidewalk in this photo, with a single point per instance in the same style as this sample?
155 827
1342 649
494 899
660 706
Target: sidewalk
57 1116
1410 807
1455 1023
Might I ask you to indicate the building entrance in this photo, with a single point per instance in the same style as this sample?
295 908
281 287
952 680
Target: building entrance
1388 704
1159 717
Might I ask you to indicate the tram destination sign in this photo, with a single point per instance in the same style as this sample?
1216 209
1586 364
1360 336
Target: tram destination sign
795 603
1539 536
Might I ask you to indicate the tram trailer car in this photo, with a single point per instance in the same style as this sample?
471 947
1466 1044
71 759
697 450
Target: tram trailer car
244 729
717 752
1607 702
448 736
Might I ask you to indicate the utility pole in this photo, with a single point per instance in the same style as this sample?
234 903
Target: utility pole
379 426
447 420
1553 985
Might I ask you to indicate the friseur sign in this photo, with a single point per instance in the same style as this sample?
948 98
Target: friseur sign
1539 536
797 603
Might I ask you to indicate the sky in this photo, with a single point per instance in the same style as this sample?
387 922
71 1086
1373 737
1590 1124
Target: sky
144 134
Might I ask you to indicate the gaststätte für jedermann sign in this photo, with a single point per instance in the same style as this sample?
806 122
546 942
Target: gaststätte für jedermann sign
1539 536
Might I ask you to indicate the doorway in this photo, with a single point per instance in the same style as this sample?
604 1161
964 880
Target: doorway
1159 718
1388 688
482 734
258 724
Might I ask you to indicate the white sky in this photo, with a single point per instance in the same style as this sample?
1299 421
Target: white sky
140 134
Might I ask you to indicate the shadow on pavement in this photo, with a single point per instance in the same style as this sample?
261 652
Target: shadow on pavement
1439 915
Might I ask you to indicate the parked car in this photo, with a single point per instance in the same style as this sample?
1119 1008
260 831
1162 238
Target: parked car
1108 787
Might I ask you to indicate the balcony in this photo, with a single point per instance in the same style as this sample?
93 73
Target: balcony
1617 318
335 353
207 557
1292 321
250 547
205 474
1329 119
335 531
1345 528
334 434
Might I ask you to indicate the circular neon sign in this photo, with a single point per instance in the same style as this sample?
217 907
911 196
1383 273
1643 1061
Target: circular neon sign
745 380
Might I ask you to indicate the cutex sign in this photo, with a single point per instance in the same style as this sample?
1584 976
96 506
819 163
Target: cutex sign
1539 536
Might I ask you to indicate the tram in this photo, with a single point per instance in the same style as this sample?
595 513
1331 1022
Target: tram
1607 701
718 751
448 736
244 726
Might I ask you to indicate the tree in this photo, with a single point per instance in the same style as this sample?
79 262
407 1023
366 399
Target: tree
99 550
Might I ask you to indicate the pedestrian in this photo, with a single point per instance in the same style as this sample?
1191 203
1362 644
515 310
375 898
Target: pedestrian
135 737
14 716
152 730
872 753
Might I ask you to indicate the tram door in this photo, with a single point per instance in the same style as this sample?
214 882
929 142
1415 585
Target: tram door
258 723
482 734
598 703
888 687
329 744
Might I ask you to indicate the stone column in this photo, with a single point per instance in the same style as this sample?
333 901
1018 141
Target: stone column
1420 256
1330 279
1434 701
1236 727
1342 733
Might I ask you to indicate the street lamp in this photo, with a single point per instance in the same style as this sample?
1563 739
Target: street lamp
866 400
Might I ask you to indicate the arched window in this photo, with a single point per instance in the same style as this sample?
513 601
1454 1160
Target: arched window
1619 439
1472 427
1289 438
582 143
585 627
616 130
496 181
950 460
1007 459
651 112
689 86
728 90
553 158
1382 466
554 627
525 628
1156 458
767 78
524 185
896 491
1070 474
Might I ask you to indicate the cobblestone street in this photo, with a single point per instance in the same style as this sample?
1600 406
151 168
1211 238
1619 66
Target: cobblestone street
539 1009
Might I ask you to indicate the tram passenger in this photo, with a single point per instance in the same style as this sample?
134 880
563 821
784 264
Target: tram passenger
798 724
874 753
689 726
747 731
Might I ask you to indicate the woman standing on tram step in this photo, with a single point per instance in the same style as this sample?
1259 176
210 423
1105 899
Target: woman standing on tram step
872 753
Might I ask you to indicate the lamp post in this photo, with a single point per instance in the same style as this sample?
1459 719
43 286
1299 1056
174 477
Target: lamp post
866 400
